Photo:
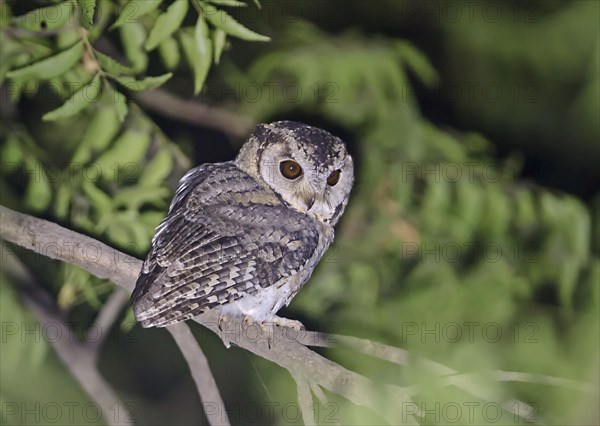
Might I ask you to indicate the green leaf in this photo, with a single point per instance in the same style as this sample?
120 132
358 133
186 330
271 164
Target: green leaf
228 3
88 7
100 132
157 169
62 200
50 67
18 352
219 37
120 104
140 85
139 235
67 38
128 322
133 37
198 52
167 23
111 66
418 63
135 197
101 200
122 161
169 52
38 193
134 10
227 23
88 94
12 153
151 219
46 18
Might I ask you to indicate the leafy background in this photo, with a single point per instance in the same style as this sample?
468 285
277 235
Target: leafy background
475 130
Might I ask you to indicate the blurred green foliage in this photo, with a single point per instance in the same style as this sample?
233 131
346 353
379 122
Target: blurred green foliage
447 248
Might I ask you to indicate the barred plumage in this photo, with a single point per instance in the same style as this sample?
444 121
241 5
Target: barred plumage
237 237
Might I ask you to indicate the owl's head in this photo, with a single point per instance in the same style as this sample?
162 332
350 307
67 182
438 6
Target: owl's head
309 168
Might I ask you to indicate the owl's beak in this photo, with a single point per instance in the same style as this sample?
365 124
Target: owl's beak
310 201
312 195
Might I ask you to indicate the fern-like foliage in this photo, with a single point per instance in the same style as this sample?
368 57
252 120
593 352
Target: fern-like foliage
440 235
99 163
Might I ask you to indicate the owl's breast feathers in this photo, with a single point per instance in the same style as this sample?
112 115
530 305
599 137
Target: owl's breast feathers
225 236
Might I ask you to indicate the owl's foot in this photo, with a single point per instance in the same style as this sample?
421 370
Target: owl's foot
264 325
220 323
286 322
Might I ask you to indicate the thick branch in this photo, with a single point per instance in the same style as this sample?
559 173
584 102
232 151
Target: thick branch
57 242
54 241
279 345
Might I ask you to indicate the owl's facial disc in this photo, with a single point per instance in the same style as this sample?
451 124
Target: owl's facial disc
309 168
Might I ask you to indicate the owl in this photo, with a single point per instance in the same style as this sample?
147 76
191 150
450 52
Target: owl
244 236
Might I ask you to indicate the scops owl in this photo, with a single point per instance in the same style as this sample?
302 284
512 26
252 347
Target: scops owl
245 235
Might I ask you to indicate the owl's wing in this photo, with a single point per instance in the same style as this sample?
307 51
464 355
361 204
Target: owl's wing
224 237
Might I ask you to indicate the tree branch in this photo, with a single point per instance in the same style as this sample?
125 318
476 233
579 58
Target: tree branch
305 401
107 316
202 375
56 242
278 344
193 112
187 111
78 358
281 345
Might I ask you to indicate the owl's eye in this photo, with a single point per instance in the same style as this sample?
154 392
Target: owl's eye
334 177
290 169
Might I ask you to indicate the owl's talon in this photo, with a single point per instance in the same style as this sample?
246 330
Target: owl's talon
222 319
286 322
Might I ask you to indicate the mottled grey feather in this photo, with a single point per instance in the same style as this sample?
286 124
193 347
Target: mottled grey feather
222 239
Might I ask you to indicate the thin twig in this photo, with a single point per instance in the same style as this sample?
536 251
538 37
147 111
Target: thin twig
318 392
517 376
107 317
400 356
194 112
202 375
305 400
188 111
